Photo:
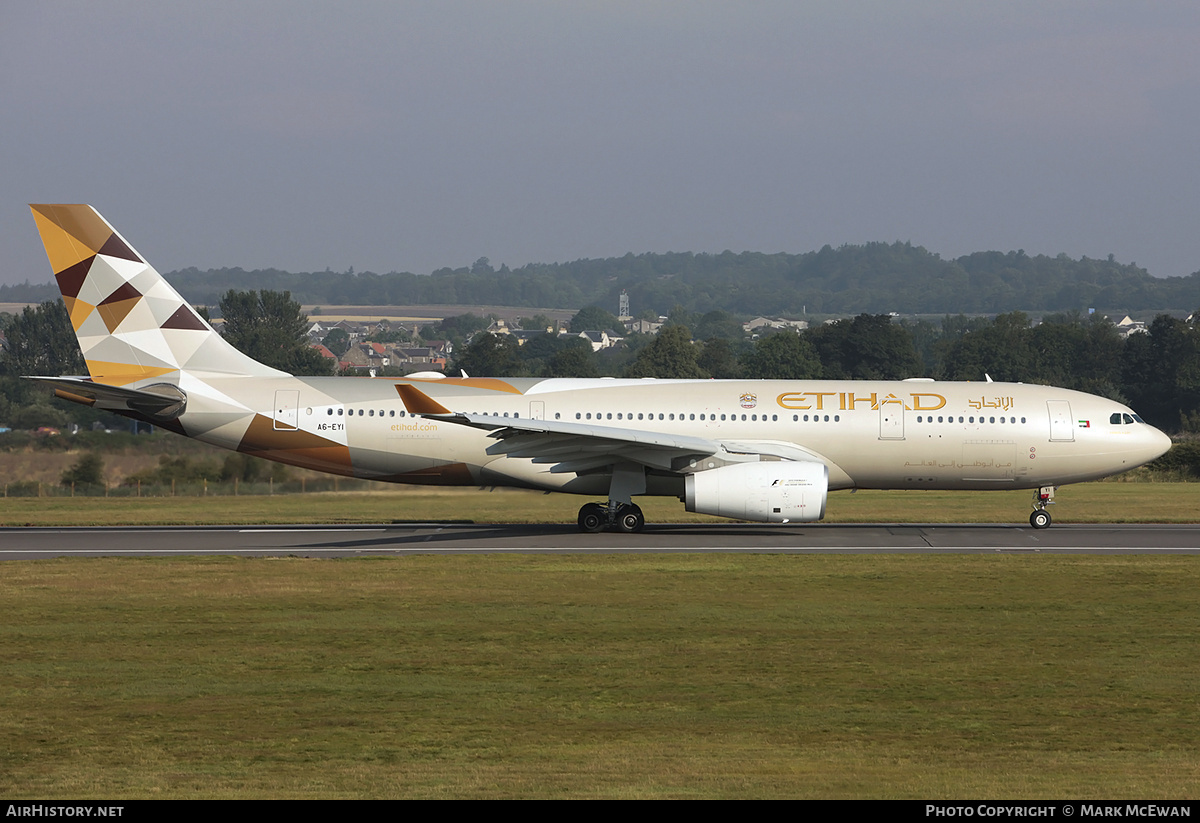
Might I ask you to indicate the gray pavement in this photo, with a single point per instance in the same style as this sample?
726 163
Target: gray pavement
433 538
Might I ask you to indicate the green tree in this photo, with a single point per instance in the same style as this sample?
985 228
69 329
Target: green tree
490 355
42 342
719 324
784 355
270 327
1161 373
594 318
457 328
247 469
537 349
338 341
868 347
35 415
718 359
571 361
1002 350
536 323
87 470
670 355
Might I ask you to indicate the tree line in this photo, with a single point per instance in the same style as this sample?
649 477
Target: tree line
1156 372
872 277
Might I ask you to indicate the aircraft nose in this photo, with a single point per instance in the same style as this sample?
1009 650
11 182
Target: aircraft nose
1156 444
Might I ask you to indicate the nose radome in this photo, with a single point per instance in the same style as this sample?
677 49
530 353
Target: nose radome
1158 444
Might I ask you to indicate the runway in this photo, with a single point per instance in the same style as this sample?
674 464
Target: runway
434 538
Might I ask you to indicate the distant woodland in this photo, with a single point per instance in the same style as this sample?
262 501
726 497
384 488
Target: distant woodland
852 279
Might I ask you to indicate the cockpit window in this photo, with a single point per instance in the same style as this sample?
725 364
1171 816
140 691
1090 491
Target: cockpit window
1115 419
1128 418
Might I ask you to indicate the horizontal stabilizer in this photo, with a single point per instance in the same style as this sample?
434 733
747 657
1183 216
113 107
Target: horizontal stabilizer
161 400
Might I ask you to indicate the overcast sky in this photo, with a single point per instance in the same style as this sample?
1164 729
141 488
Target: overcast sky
407 136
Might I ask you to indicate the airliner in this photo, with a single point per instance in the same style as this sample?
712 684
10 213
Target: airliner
759 450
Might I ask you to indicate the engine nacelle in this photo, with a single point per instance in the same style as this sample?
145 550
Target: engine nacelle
766 492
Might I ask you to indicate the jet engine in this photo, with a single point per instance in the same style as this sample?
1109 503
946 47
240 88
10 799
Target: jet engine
766 492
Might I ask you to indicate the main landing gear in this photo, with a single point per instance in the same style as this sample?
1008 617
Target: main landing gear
620 513
625 517
1043 497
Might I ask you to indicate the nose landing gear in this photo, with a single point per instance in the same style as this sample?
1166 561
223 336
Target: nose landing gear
1043 497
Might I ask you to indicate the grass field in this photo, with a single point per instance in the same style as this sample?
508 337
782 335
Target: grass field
602 676
1105 502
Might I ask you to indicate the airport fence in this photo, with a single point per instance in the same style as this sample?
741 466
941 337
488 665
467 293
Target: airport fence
203 488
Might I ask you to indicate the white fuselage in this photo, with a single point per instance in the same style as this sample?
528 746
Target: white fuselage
870 434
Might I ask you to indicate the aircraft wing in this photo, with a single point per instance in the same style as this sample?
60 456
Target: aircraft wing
581 447
578 447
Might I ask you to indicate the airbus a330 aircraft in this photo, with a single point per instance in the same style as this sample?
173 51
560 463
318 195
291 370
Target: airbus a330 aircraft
767 451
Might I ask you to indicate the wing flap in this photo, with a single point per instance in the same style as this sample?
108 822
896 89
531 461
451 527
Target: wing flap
580 447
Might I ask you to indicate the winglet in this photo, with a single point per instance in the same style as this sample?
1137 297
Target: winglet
417 402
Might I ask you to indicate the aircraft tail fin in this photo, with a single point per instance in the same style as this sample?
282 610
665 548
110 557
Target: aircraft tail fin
130 323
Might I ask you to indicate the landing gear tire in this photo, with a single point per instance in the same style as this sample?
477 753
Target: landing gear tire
1040 519
592 518
631 519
